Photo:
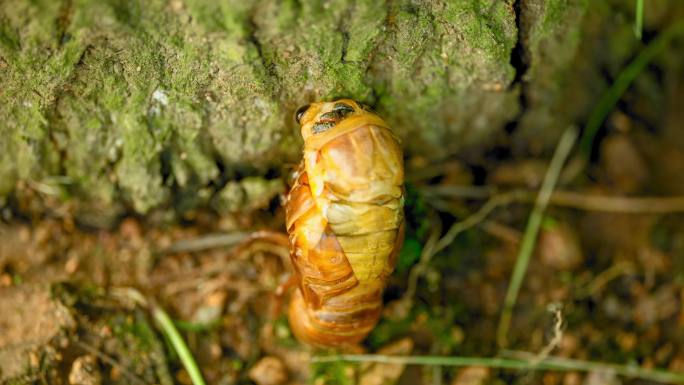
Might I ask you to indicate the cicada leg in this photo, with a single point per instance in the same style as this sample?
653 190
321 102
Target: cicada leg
275 243
262 236
280 293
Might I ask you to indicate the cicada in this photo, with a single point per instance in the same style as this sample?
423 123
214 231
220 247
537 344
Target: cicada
345 218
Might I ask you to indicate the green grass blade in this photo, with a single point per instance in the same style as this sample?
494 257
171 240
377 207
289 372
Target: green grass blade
529 239
623 81
549 363
639 18
167 326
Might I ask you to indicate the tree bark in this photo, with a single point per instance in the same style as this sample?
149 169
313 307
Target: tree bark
152 103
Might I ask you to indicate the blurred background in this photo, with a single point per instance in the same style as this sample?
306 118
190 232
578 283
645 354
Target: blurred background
141 141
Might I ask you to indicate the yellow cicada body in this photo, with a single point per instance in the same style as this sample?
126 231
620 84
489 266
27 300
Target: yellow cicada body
345 222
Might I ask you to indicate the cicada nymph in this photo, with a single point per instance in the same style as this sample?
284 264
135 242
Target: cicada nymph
345 219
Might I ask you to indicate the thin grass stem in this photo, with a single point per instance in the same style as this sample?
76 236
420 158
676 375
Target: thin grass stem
548 363
529 239
639 18
607 102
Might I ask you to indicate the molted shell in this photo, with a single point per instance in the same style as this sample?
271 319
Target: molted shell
345 222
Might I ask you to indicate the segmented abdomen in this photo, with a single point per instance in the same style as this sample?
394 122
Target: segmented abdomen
344 219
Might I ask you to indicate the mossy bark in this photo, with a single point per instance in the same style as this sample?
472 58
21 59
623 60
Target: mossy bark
159 103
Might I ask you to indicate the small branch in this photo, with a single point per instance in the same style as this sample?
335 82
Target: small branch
557 334
435 244
209 241
531 231
602 279
575 200
503 232
655 205
479 216
420 268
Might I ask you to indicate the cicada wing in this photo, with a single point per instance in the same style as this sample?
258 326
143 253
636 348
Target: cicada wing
317 256
334 274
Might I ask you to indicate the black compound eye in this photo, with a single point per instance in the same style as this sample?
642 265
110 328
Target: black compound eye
329 116
343 109
322 127
300 112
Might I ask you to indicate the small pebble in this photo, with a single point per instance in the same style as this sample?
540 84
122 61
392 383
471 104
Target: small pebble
84 371
268 371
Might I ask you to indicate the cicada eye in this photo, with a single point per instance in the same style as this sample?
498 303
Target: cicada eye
300 112
342 109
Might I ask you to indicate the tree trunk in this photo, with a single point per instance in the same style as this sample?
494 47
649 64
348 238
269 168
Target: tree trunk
147 104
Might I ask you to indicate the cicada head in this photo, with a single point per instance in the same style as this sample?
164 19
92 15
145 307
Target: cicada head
323 117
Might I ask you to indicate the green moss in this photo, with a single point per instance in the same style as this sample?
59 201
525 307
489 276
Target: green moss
32 67
143 103
443 72
248 194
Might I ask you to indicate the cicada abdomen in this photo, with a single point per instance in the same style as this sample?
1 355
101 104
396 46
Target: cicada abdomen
345 222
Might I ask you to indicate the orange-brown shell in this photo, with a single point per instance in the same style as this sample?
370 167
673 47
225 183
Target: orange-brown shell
345 225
